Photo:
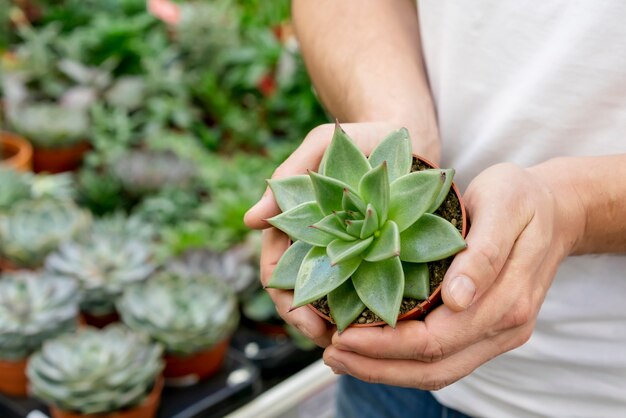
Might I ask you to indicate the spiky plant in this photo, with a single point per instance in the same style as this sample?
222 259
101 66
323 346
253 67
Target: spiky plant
34 228
363 229
95 371
105 262
34 307
187 314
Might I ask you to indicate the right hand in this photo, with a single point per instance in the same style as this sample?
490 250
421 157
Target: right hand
275 242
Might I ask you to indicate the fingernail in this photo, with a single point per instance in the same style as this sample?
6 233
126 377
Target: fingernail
462 290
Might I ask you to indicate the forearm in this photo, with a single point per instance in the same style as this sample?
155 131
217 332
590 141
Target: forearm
592 195
364 57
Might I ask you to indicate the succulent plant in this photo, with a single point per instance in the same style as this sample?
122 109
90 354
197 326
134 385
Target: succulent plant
14 187
34 228
363 229
34 307
57 186
95 371
105 262
187 314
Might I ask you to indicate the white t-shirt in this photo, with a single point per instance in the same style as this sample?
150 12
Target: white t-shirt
524 82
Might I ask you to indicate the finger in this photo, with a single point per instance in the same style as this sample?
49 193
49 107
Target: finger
274 243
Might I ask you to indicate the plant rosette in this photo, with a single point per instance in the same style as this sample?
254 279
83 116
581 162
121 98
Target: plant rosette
367 233
15 152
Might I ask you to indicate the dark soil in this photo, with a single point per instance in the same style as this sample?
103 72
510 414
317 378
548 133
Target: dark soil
450 209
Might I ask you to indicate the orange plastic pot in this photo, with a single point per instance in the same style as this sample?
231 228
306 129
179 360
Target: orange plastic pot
59 160
434 299
16 152
146 409
13 380
197 366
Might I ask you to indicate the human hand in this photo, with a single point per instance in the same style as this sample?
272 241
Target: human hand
165 10
306 157
524 223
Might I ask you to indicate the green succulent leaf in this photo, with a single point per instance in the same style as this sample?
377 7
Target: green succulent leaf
345 305
374 189
396 151
370 223
354 227
416 280
445 189
286 271
351 202
297 223
290 192
340 250
412 195
381 286
431 238
386 245
317 277
344 160
333 225
329 192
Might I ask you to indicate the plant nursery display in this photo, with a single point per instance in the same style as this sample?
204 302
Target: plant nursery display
34 307
193 317
364 230
112 372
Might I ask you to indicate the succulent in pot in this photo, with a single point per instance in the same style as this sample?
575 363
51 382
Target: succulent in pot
112 372
14 187
363 230
34 307
32 229
192 316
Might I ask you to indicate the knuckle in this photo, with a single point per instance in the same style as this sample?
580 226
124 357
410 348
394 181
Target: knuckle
489 255
429 352
520 314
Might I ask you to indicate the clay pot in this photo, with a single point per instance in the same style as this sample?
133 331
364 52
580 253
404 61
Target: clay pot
7 265
435 297
13 380
196 367
146 409
59 160
16 152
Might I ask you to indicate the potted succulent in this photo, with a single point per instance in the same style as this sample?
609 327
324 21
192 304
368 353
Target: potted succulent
34 307
113 255
32 229
108 373
15 152
192 316
368 242
14 187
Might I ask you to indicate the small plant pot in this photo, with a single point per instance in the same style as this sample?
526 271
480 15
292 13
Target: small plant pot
7 265
13 380
146 409
15 152
188 370
98 321
434 299
59 160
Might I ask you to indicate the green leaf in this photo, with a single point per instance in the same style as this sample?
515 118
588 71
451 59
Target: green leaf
381 286
354 227
386 245
340 250
443 193
286 271
431 238
345 305
290 192
297 224
416 280
317 277
352 202
334 226
374 189
370 223
396 151
412 195
329 192
345 161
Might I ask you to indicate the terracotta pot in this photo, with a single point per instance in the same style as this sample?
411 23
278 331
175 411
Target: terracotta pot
98 321
13 380
59 160
197 366
435 297
16 152
7 265
146 409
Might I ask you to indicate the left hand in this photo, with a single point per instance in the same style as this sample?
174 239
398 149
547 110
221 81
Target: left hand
524 223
